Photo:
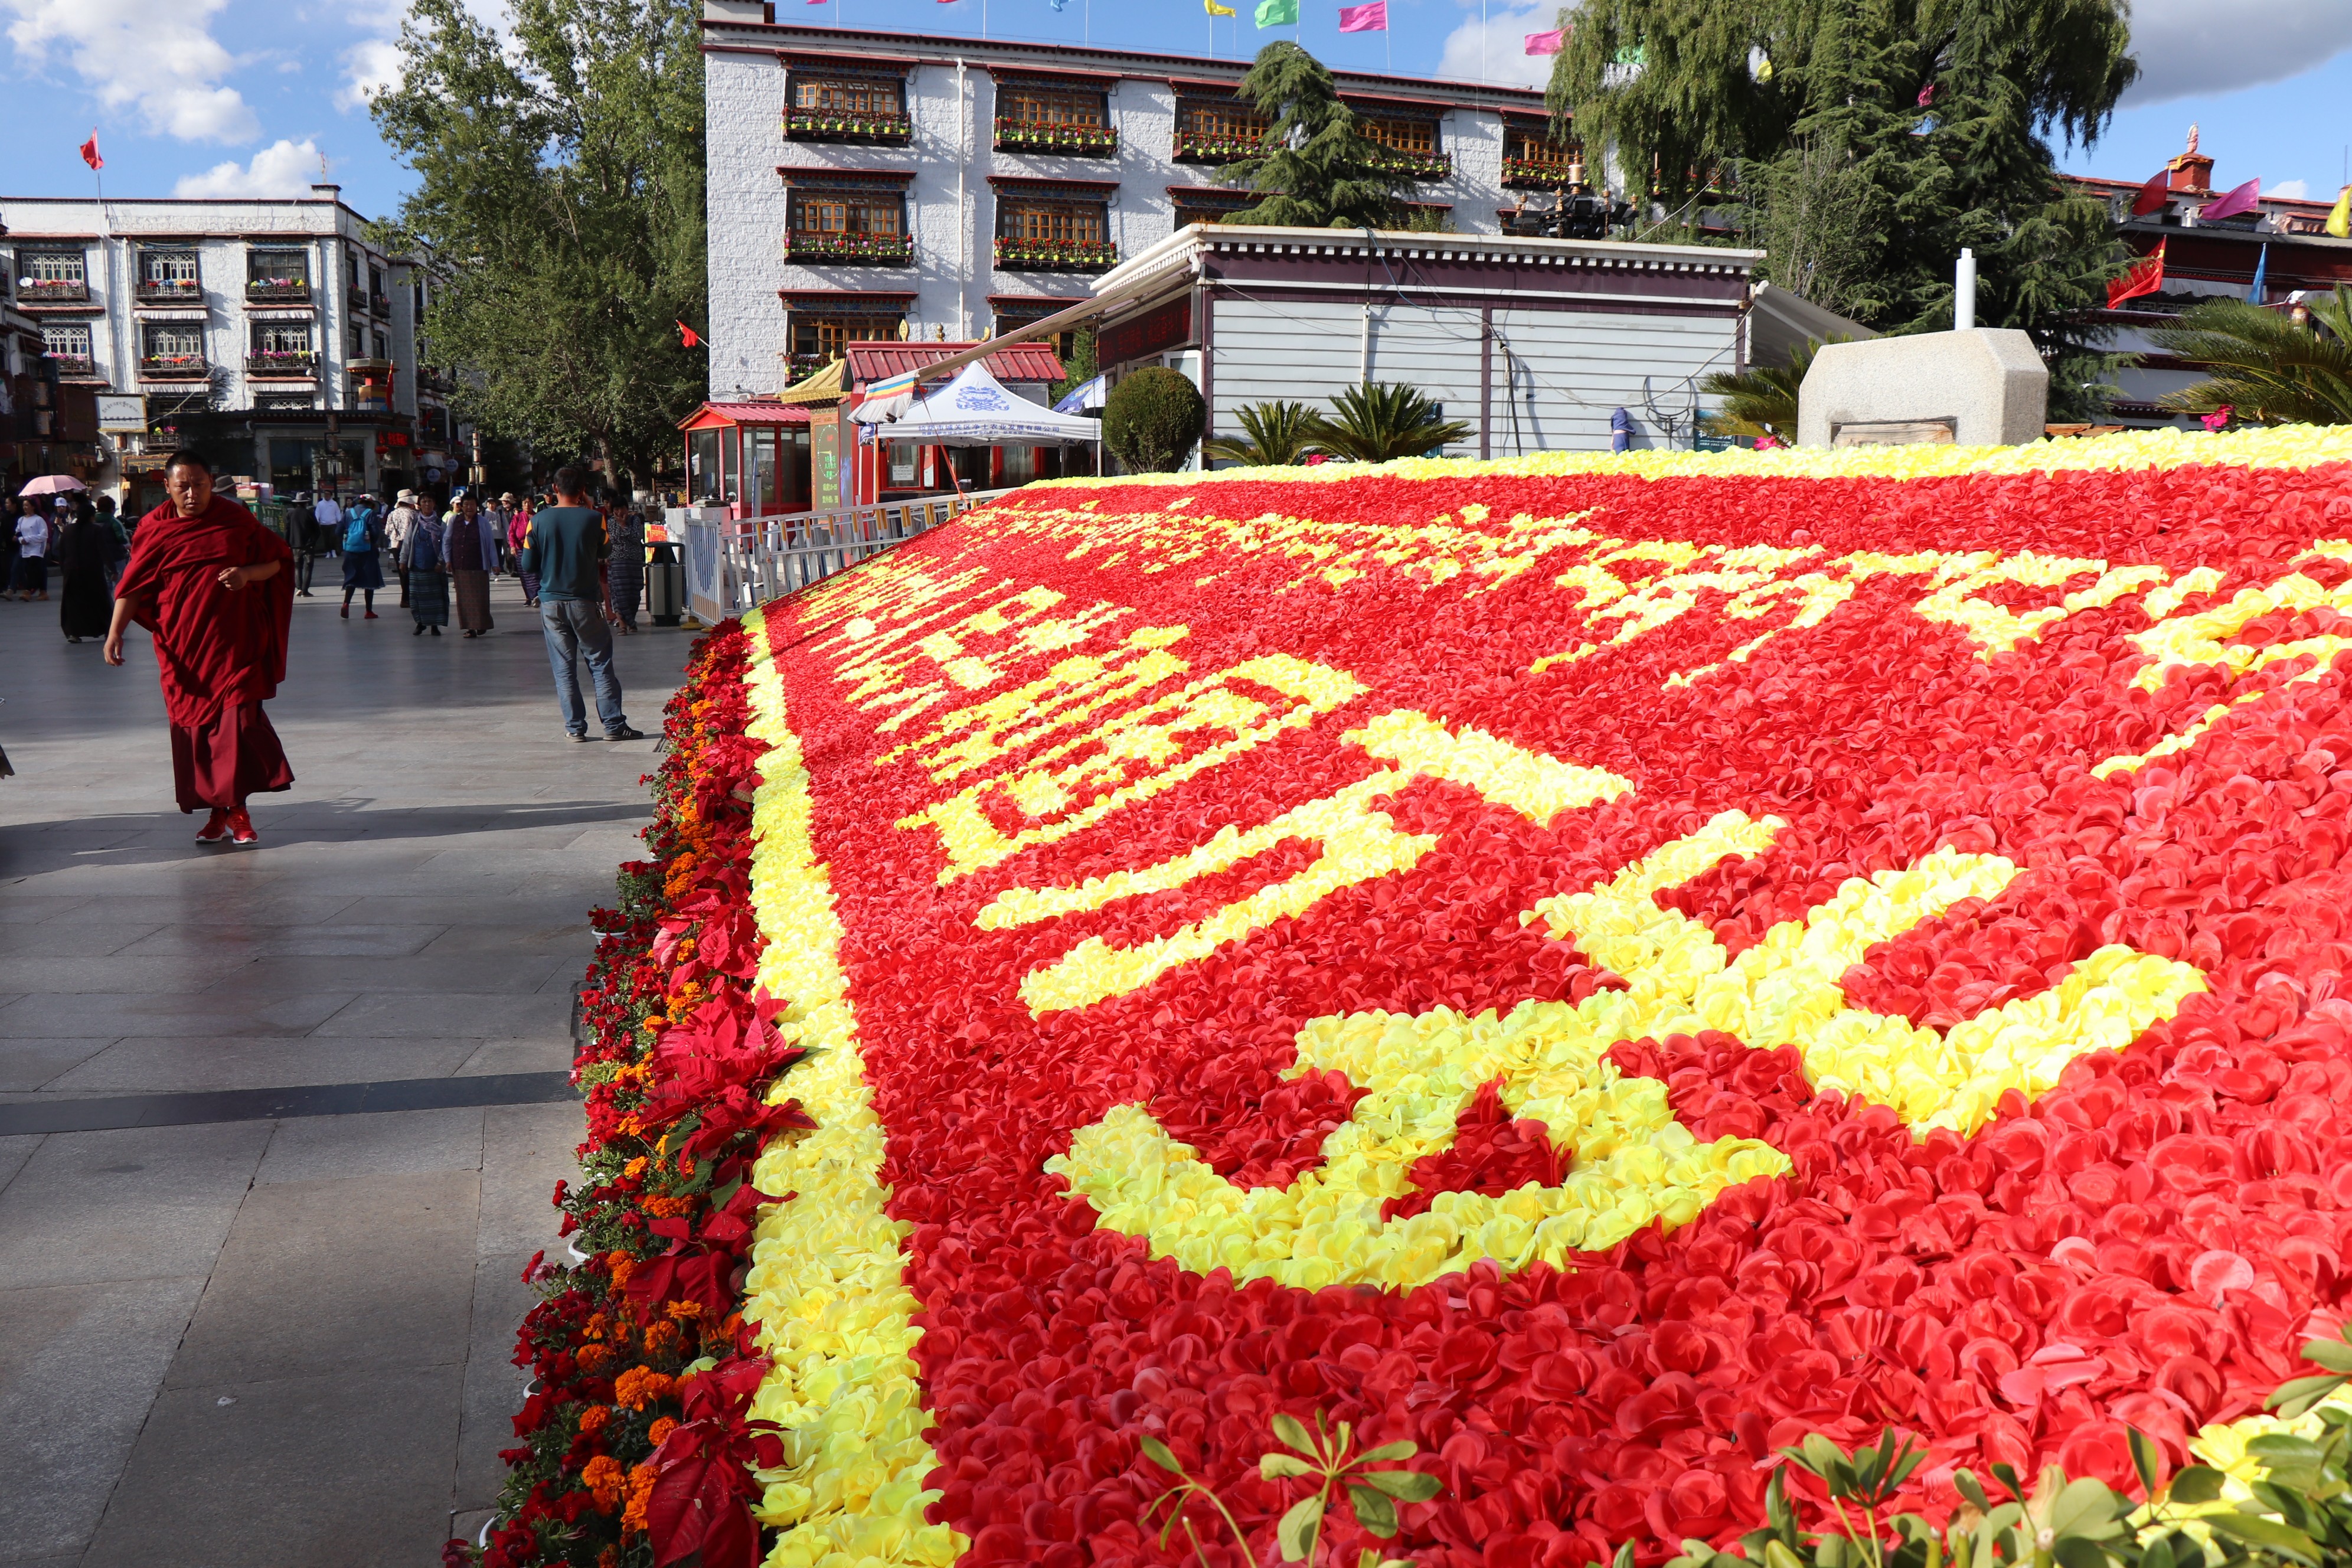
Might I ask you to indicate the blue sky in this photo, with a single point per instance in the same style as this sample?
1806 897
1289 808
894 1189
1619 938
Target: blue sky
244 96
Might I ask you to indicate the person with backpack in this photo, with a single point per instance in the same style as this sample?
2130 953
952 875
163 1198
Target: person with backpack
362 539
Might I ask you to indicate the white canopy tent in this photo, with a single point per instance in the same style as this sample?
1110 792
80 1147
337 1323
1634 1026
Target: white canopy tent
975 410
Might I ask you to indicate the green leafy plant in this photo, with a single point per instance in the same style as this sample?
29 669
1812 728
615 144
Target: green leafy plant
2266 367
1151 420
1322 1457
1381 420
1278 434
1762 399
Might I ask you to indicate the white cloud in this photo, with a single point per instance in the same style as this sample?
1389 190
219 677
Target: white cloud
369 68
2294 190
158 56
1495 50
282 169
2189 49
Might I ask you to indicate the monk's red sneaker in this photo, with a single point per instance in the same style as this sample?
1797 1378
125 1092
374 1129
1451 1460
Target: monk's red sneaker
240 828
215 828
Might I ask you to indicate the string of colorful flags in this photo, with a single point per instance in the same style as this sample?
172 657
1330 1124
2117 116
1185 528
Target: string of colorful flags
1372 16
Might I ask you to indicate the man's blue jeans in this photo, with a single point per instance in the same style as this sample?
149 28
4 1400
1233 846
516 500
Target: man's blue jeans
576 628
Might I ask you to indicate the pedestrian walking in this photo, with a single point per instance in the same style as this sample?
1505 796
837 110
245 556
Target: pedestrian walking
566 541
426 565
473 555
86 549
211 583
111 519
364 536
329 515
396 525
32 555
627 567
517 532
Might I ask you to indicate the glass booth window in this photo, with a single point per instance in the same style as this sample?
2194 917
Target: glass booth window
702 464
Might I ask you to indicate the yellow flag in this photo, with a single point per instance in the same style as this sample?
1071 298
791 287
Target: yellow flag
2339 222
1216 10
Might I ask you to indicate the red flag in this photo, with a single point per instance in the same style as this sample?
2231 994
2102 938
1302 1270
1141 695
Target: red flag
2153 194
89 152
687 336
2146 276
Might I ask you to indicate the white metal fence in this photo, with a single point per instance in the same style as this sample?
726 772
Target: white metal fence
734 564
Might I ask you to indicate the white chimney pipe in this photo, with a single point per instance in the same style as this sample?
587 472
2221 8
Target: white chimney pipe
1964 292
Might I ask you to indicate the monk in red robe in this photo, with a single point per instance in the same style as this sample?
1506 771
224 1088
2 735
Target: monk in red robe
210 582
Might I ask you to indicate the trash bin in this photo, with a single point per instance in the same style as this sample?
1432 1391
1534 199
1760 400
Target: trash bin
666 586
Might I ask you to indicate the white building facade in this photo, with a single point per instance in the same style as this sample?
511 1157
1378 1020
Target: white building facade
872 185
273 333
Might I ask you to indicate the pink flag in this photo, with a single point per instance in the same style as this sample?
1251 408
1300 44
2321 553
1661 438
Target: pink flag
1546 43
2241 200
1371 18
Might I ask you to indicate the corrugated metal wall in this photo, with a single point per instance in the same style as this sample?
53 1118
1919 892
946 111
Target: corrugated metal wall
1572 368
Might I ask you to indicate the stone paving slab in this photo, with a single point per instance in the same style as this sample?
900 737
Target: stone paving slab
286 1342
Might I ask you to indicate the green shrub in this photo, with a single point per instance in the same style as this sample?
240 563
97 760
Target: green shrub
1378 421
1151 420
1278 434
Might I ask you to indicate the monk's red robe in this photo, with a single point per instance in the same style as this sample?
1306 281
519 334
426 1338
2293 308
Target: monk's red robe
220 652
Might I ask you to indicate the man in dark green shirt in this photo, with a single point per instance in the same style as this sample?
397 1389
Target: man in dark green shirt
565 545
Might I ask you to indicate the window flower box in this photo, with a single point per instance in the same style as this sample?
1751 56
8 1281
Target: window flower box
1199 147
73 364
1068 140
170 289
1523 174
52 290
817 125
1055 255
1418 165
296 290
858 249
174 367
281 361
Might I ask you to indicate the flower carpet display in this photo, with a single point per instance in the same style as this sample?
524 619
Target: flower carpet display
1595 969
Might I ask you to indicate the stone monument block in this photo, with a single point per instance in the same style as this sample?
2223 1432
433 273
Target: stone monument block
1982 387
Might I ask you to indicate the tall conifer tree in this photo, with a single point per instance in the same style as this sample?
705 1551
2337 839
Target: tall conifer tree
1866 141
1318 167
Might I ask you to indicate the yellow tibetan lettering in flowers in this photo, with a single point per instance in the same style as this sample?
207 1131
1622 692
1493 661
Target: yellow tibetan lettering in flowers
1634 1165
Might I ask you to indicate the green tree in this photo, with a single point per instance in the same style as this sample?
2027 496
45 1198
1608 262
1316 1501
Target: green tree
1317 169
1869 140
2267 369
1078 366
559 198
1277 435
1381 420
1152 419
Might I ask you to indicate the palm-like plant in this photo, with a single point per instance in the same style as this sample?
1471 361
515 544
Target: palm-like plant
2267 369
1762 399
1379 421
1279 435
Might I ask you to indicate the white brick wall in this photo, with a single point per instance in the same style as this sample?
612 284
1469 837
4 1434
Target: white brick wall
953 228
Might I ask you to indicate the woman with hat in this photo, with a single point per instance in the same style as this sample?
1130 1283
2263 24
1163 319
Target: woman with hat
397 524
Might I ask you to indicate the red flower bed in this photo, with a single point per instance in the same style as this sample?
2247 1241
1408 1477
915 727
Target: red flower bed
636 1443
1596 976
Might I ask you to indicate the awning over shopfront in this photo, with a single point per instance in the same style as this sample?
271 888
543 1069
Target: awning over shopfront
975 410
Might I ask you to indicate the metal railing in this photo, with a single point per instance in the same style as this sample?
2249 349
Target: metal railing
732 564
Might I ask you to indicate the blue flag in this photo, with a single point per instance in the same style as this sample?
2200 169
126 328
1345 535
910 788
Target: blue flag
2261 266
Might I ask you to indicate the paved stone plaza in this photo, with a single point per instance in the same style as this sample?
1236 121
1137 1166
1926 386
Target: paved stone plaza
233 1331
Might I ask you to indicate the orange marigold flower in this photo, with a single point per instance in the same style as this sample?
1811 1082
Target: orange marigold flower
641 1385
662 1207
636 1168
597 1415
685 1309
609 1558
594 1359
622 1265
641 1491
685 1165
660 1430
661 1339
605 1477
